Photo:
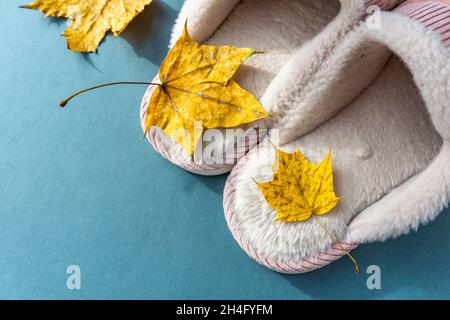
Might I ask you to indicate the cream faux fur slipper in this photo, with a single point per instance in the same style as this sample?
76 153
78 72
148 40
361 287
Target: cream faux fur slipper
381 102
289 32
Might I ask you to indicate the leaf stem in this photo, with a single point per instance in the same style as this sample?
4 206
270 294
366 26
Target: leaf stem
64 102
333 237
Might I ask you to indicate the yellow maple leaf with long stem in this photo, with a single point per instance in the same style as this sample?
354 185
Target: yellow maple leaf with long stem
91 19
197 92
301 189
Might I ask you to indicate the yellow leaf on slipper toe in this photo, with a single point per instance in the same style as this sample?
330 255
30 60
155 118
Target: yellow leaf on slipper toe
300 188
197 86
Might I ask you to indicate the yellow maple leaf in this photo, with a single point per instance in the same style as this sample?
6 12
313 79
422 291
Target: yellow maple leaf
91 19
299 188
196 86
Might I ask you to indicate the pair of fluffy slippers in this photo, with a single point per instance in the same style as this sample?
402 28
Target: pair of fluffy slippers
373 88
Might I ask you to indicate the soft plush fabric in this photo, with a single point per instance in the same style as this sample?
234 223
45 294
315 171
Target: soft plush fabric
387 120
295 36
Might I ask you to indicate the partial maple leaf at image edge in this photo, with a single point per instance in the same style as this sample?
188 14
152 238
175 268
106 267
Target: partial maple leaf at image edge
91 19
197 87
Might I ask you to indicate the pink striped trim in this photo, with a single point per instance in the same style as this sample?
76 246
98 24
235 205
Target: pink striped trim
333 253
433 14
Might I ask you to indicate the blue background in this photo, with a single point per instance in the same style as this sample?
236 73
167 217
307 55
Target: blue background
80 186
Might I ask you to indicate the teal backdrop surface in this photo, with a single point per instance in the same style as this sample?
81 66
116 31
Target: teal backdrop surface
79 186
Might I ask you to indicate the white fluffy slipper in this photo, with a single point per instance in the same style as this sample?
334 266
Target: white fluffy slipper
279 28
381 102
